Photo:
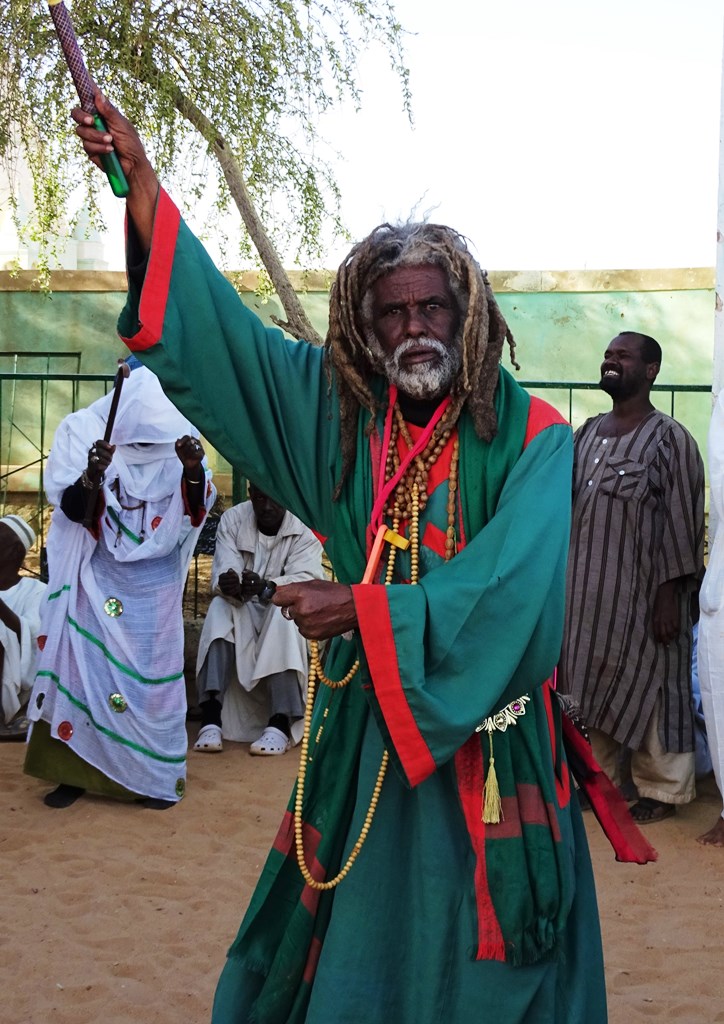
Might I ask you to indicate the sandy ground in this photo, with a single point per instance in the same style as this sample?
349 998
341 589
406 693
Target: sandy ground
114 913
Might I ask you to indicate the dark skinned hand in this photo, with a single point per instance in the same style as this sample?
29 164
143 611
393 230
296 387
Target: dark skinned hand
230 585
320 609
191 452
252 584
122 137
100 455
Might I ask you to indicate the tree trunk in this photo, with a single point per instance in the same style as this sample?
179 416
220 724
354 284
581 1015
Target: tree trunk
297 323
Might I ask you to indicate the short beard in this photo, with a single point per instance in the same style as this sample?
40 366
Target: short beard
618 389
424 381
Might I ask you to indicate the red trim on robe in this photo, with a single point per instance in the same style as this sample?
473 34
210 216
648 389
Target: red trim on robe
469 770
526 808
610 808
373 619
560 771
540 416
440 469
152 310
310 968
284 839
95 527
285 844
434 538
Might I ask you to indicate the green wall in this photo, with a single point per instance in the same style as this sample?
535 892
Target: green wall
561 322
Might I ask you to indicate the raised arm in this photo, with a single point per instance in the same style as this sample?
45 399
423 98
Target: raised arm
124 139
263 401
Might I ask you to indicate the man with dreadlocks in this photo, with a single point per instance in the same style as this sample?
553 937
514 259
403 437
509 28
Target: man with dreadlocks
431 865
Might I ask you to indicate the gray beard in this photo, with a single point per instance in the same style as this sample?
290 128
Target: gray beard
425 381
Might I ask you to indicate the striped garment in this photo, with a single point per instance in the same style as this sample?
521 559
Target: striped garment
638 520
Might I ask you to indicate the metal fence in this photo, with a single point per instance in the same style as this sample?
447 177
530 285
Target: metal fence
33 404
570 387
31 407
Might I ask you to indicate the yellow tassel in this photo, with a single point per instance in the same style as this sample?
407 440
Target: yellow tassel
492 804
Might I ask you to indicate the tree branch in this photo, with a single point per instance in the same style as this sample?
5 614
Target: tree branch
297 323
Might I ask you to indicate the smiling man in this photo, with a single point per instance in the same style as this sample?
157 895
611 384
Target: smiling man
432 866
636 556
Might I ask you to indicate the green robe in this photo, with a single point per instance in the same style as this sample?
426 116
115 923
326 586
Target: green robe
441 917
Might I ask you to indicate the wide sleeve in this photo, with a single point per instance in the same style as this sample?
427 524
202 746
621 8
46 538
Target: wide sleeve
261 399
29 615
711 596
304 560
73 502
716 468
227 553
480 630
681 551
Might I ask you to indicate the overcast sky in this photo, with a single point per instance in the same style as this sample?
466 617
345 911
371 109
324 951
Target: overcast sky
570 134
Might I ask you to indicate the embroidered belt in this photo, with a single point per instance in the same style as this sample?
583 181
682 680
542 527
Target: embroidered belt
508 715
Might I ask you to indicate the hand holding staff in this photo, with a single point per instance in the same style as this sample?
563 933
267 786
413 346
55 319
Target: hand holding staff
122 138
84 87
101 453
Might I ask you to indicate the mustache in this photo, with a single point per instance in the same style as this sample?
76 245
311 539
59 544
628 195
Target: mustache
434 344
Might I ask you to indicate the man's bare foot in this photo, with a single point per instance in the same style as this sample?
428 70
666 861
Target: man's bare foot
715 836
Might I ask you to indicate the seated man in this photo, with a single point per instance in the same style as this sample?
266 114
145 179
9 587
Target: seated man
20 598
258 546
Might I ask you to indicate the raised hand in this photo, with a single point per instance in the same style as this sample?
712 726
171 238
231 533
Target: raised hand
121 137
124 139
100 455
191 452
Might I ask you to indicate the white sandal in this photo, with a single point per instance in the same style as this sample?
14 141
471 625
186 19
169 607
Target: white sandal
271 743
209 740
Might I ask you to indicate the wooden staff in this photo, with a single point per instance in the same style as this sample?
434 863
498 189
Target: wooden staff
124 371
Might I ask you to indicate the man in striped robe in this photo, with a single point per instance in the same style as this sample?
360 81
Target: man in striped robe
636 554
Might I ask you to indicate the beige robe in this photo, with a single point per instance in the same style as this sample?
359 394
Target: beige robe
265 642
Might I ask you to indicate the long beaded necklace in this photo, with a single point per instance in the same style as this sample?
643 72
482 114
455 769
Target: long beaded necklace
417 500
417 474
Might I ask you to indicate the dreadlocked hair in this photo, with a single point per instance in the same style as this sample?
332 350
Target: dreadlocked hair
483 335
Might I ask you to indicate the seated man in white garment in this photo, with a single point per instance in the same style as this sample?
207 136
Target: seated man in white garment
20 599
246 641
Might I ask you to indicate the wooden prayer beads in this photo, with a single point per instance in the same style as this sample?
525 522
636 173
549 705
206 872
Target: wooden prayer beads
410 497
